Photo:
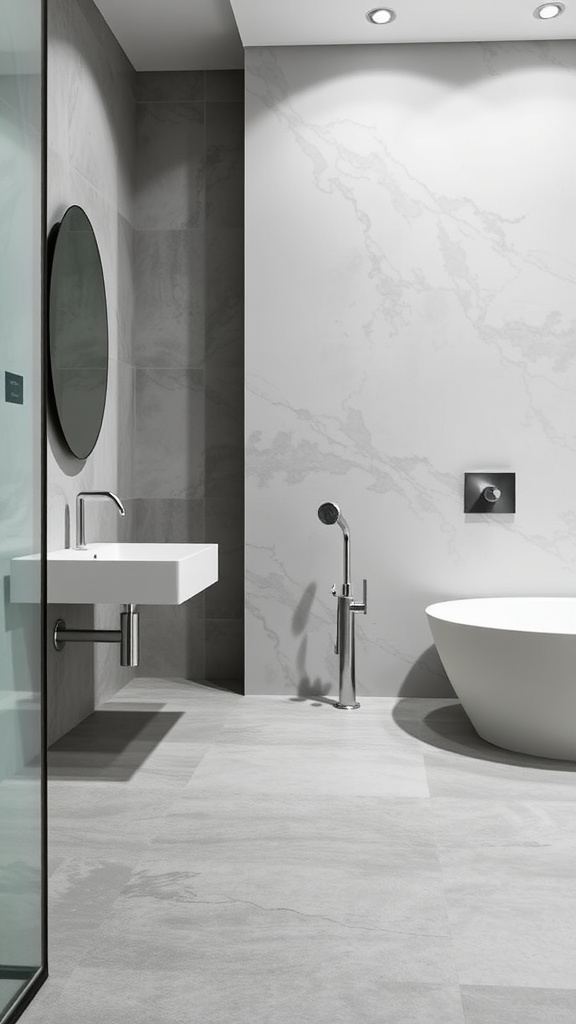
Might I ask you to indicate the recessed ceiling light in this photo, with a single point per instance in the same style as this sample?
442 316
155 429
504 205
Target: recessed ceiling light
547 11
381 16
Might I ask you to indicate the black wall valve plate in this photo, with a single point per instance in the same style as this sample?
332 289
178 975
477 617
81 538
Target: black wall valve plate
493 493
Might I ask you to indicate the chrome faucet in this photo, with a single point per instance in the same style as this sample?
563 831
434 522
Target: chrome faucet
80 516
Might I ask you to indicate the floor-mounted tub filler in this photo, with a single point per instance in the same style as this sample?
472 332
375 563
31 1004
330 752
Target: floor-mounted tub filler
345 647
512 663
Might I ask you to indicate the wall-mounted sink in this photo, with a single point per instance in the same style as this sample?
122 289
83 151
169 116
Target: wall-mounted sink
119 574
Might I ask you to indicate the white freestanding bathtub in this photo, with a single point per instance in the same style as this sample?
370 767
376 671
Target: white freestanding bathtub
512 663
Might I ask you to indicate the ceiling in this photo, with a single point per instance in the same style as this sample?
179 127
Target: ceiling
211 34
175 35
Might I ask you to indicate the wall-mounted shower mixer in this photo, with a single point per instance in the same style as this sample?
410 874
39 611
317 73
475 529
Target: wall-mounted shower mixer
329 514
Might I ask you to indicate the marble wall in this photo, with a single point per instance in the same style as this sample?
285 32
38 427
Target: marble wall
411 262
188 357
91 132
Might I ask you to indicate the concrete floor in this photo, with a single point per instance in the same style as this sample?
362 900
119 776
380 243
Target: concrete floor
224 860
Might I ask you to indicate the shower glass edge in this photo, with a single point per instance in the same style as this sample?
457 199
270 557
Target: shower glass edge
23 799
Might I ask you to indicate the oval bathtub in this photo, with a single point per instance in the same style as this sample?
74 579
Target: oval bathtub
512 663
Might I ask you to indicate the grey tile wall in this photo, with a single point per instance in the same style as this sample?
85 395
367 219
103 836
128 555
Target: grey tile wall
156 160
188 350
91 136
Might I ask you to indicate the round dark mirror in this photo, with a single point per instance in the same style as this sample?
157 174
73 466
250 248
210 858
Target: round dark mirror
78 332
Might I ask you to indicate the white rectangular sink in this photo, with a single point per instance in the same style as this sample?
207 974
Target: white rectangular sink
119 574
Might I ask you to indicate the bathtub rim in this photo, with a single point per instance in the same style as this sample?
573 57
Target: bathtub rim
434 611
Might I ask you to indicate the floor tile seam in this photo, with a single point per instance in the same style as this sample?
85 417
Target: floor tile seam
520 988
323 744
446 850
142 815
451 934
525 771
295 843
379 745
164 746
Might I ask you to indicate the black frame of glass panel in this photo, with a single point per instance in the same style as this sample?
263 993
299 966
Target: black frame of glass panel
41 974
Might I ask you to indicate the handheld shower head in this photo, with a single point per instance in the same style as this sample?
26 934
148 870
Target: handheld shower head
329 513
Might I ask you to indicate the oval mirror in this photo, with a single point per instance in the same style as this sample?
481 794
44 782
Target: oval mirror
78 332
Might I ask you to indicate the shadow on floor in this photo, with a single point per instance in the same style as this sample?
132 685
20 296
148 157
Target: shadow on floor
110 744
449 728
228 685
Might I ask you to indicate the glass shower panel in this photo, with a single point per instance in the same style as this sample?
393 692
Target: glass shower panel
22 952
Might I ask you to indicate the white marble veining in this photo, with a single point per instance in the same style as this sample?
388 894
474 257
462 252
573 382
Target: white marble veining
410 312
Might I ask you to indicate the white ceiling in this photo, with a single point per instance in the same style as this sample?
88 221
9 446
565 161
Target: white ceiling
162 35
175 35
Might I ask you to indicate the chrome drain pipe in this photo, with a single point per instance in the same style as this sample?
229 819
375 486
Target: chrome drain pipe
345 647
128 636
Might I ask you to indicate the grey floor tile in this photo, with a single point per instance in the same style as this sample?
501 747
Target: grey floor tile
82 893
294 770
227 864
361 887
315 723
265 992
460 776
90 815
41 1010
384 820
460 822
512 912
485 1005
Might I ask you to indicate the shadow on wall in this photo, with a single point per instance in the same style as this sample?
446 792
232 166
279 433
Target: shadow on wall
307 688
427 677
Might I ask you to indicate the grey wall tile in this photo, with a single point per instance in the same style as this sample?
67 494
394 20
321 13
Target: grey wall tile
91 125
169 444
225 235
225 527
225 86
169 320
125 431
165 520
71 679
172 640
170 166
90 85
224 433
109 675
224 650
189 313
125 291
170 86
